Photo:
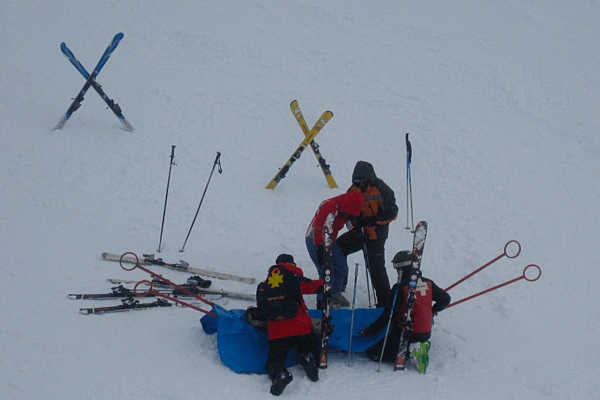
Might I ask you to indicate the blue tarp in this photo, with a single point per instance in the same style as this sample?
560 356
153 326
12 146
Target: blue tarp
243 348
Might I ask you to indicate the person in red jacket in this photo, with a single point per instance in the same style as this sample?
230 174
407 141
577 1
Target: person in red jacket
430 299
296 332
341 207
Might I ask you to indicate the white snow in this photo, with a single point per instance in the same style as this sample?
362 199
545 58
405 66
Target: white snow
501 100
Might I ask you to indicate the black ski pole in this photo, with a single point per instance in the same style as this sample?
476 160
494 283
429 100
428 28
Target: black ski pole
166 196
387 331
409 185
217 161
368 269
352 319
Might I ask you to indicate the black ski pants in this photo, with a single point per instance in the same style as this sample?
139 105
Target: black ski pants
279 349
353 241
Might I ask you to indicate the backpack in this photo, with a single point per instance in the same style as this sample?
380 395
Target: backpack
279 295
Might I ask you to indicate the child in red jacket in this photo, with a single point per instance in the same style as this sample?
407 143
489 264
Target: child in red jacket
297 331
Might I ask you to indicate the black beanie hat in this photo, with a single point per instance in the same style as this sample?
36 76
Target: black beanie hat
284 259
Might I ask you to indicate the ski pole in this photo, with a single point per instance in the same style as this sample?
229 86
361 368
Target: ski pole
160 277
387 331
166 196
409 186
368 287
352 319
504 254
217 161
524 276
368 267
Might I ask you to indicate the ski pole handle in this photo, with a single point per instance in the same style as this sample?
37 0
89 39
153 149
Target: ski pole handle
218 162
151 291
173 154
524 276
504 254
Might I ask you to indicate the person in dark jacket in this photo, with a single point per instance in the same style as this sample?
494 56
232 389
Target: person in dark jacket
371 227
293 332
430 299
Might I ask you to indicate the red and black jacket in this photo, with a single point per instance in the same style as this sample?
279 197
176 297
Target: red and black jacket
301 324
430 299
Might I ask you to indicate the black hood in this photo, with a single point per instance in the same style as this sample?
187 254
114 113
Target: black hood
364 170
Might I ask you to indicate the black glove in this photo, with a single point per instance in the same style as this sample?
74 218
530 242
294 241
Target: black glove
355 221
436 309
320 254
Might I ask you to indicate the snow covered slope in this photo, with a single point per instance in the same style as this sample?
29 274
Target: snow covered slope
501 101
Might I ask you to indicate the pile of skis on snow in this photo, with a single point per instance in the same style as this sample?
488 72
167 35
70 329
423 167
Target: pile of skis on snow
159 288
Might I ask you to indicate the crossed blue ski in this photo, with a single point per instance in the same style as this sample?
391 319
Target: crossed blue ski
91 81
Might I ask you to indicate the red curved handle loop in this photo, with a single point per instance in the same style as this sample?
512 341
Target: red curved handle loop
539 270
137 261
163 279
524 276
506 246
504 254
142 294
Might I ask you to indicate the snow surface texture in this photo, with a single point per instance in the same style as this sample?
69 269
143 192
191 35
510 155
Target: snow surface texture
501 100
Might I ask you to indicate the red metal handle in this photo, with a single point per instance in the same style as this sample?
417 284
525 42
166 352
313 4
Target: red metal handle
504 254
524 276
146 282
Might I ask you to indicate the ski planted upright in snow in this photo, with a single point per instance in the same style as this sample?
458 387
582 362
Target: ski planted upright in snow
77 101
110 102
315 147
415 274
325 117
325 303
183 266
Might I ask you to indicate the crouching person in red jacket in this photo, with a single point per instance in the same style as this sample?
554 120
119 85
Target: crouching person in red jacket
289 325
430 299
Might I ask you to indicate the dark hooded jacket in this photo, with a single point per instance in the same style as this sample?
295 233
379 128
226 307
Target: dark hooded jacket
379 206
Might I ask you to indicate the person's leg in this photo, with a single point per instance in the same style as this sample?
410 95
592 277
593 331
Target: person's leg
376 256
339 268
275 365
278 350
312 252
349 243
308 350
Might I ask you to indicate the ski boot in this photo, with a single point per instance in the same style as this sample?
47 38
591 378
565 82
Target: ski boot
420 351
280 382
308 362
